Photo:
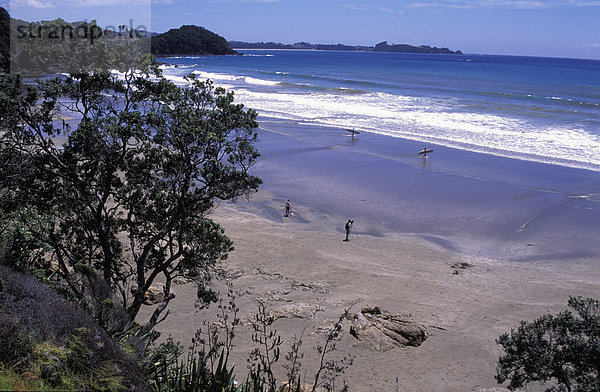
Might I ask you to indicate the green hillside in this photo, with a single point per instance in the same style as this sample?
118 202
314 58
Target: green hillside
190 40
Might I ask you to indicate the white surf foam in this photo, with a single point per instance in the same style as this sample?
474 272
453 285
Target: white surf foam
260 82
427 119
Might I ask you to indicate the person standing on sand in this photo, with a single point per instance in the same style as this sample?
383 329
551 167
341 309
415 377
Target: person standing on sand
287 208
348 226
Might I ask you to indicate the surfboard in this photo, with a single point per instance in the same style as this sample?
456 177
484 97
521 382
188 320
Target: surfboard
424 151
353 131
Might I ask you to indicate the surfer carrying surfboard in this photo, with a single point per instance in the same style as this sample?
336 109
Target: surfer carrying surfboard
424 152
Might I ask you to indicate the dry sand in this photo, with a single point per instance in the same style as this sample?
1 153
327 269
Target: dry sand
464 310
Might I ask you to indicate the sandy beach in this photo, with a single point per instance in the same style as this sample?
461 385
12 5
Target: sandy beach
465 297
463 310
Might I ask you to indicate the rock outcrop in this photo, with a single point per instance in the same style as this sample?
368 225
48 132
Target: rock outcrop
301 310
383 331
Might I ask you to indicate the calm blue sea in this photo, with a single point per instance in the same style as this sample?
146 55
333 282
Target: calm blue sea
536 109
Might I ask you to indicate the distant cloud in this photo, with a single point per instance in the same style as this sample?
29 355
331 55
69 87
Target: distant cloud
33 3
514 4
107 3
363 7
243 1
83 3
40 4
587 46
61 4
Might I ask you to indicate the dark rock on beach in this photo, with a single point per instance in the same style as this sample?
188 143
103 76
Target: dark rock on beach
383 331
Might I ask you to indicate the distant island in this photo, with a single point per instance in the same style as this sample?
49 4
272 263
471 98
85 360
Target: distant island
380 47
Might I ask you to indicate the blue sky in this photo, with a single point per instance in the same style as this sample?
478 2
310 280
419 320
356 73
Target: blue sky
558 28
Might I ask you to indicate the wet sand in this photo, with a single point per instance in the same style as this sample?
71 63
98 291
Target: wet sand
477 204
413 226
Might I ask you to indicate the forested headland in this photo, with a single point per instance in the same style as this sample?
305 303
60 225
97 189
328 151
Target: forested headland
190 40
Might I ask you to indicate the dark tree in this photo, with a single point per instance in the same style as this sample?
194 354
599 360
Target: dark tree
563 350
4 41
123 199
191 40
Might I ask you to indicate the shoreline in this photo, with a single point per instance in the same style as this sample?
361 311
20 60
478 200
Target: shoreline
496 110
479 204
526 158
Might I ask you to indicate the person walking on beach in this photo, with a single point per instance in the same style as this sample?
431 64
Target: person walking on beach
348 226
287 208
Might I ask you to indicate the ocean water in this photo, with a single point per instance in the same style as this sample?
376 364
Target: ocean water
516 170
534 109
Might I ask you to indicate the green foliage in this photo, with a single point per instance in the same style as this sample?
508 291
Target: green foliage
19 247
194 375
56 346
206 366
51 363
563 349
170 373
165 354
124 199
193 40
4 40
11 380
69 47
51 367
266 354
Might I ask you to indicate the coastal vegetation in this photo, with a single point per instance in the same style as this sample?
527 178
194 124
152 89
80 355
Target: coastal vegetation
4 40
95 215
74 47
562 349
124 199
190 40
49 343
58 46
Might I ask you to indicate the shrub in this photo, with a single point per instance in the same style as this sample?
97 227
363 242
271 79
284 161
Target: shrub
60 345
562 349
